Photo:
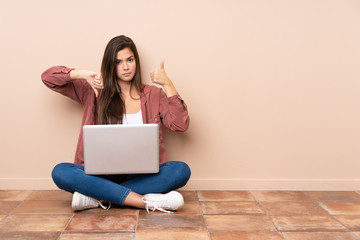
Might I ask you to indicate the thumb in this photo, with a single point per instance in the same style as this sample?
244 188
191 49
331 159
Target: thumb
162 65
96 91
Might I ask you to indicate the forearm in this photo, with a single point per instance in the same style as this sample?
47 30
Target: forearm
77 74
170 89
74 74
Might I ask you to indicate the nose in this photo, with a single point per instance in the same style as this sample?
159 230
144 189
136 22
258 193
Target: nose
125 66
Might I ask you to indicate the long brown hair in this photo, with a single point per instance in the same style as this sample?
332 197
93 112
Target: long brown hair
111 104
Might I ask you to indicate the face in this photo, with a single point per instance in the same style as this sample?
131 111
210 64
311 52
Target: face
125 65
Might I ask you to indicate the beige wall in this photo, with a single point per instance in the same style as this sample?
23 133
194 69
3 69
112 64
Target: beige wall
272 86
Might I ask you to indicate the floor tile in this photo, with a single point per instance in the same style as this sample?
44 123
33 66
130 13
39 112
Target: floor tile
190 208
246 236
34 223
319 236
171 235
240 208
170 223
248 223
292 208
6 207
111 211
97 236
351 222
83 223
190 195
50 195
333 195
14 195
44 207
224 196
341 208
274 196
43 214
307 223
29 235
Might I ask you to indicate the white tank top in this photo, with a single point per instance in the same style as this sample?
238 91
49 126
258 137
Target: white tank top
135 118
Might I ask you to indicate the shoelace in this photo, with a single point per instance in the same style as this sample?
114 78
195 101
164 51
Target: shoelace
104 207
153 207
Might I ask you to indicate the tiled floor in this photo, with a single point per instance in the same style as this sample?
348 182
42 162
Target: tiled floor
216 215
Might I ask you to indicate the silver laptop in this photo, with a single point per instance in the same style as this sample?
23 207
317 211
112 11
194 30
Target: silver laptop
121 149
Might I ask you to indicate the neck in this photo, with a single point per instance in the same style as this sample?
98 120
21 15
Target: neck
125 87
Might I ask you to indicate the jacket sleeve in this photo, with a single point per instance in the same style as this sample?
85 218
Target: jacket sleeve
58 79
173 112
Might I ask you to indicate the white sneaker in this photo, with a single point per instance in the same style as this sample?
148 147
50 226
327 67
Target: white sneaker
81 202
163 202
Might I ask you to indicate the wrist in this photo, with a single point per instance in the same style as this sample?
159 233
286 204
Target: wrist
168 85
169 89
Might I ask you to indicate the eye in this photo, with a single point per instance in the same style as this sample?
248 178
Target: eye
118 61
131 60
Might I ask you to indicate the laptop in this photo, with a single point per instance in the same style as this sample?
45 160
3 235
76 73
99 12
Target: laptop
121 149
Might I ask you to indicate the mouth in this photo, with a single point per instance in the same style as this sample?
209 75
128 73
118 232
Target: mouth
127 74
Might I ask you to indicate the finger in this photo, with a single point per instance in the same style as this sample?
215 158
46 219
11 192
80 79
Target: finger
98 77
96 91
97 83
98 86
162 65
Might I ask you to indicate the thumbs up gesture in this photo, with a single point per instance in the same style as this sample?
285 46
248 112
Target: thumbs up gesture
159 76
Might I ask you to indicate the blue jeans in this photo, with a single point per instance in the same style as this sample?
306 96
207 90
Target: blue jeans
115 188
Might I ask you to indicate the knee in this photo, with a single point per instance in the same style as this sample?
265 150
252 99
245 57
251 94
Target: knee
58 171
181 172
60 174
185 170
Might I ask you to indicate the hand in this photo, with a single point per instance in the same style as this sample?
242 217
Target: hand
159 76
97 84
93 78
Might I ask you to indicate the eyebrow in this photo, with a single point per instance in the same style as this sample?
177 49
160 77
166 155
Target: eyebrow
125 59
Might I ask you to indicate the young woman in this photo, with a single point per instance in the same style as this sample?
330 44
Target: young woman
117 96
